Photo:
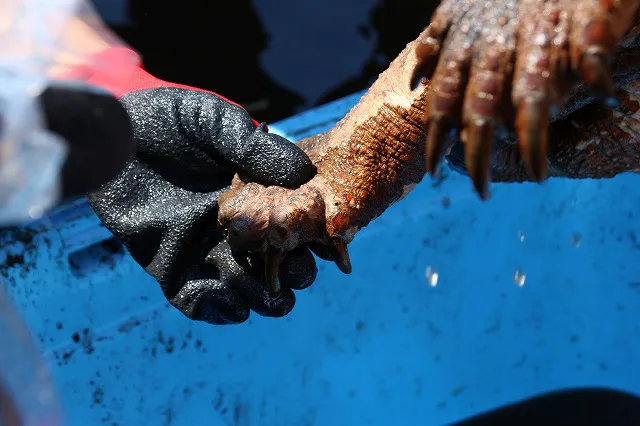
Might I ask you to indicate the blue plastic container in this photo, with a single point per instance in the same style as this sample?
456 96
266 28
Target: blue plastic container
454 307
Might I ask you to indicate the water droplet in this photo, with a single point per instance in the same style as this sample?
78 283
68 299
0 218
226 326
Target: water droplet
432 276
36 212
519 278
521 236
576 240
612 102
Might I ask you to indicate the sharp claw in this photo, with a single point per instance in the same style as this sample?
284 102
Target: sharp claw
272 263
426 52
596 74
341 256
479 137
533 123
437 138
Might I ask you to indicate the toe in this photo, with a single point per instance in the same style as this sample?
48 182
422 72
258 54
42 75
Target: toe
539 79
487 96
596 29
445 100
428 49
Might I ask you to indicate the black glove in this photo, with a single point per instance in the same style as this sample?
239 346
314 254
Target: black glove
164 206
97 131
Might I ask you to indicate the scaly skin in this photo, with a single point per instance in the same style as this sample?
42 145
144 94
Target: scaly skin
459 74
493 62
587 139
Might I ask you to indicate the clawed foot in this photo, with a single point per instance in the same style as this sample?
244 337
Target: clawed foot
273 221
496 65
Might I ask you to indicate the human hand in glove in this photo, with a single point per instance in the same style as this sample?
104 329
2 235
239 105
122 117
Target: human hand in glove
163 206
96 130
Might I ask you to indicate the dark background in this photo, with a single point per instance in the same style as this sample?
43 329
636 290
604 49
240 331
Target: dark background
321 50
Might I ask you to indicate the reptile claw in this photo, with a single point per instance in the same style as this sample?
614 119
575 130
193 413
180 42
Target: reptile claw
273 259
479 136
341 256
532 123
437 140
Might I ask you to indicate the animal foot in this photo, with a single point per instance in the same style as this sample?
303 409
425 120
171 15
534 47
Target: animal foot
273 221
502 65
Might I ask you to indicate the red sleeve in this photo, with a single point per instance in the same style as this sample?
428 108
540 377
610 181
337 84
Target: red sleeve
120 71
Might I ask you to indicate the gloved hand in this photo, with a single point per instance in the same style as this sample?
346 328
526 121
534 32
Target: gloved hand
163 205
97 135
96 129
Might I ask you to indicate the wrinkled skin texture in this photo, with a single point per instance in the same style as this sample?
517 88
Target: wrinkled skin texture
505 90
495 65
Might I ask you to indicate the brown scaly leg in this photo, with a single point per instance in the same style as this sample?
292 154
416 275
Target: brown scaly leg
493 63
375 155
367 162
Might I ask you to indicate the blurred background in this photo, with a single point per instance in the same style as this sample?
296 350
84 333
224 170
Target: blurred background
275 57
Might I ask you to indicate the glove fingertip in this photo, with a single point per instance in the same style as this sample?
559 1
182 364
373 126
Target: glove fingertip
211 302
277 307
277 161
299 269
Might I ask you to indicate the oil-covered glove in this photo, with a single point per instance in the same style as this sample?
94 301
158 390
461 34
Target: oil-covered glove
163 206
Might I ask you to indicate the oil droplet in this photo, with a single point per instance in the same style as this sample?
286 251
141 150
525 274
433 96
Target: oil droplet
519 278
576 240
521 236
432 276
